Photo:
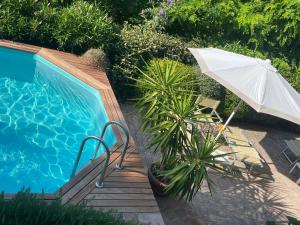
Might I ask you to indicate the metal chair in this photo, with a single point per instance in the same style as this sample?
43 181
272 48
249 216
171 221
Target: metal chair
213 119
294 147
294 167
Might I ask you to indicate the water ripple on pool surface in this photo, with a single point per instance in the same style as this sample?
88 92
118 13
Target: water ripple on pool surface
42 124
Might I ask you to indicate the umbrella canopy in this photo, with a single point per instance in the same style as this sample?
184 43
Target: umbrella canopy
254 80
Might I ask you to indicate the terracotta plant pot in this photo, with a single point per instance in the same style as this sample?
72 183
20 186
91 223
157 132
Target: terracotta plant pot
158 187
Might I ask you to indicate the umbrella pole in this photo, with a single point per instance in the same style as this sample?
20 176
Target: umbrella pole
229 119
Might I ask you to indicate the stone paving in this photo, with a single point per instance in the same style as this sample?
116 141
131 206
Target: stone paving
246 200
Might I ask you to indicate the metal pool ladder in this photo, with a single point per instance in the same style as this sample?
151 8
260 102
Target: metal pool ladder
99 182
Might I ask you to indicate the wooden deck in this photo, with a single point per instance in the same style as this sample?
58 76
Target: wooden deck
125 191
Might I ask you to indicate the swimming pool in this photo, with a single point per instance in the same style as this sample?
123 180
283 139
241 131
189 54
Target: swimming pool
45 113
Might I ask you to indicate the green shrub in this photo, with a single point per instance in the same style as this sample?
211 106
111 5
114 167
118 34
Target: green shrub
138 45
123 10
82 26
209 87
271 26
76 27
290 221
28 21
208 19
25 209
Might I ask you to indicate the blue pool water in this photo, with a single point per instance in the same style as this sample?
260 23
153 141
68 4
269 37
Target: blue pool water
44 115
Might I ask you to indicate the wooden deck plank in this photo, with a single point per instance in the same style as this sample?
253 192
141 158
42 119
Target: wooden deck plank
110 112
127 179
127 174
19 46
133 164
80 190
121 202
127 209
127 184
83 189
121 196
118 190
83 173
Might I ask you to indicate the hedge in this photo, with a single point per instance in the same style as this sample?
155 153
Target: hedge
76 27
136 46
271 26
28 21
123 10
26 209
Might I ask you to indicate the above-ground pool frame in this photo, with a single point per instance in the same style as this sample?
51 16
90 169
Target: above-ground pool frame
66 62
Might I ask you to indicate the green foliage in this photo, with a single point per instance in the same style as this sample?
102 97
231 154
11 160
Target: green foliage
28 20
155 16
205 18
168 105
76 27
209 87
82 26
123 10
191 170
136 46
158 85
26 209
271 26
291 221
280 28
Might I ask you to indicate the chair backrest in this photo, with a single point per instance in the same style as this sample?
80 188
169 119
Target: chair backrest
208 102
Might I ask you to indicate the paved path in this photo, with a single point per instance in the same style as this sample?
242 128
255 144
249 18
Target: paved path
243 201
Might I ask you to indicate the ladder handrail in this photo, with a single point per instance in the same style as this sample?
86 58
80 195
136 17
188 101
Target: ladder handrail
99 183
126 132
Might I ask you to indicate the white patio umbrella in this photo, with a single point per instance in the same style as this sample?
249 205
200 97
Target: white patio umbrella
254 81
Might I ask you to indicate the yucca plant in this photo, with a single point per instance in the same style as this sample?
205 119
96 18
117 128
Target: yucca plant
167 97
190 170
168 105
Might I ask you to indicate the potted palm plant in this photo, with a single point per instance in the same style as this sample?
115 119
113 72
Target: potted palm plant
168 105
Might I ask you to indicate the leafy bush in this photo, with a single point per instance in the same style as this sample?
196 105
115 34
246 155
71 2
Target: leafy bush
25 209
123 10
209 87
76 27
81 26
204 18
291 221
271 26
28 21
137 46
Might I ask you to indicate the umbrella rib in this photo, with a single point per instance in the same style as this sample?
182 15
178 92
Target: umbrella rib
231 68
262 97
